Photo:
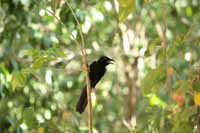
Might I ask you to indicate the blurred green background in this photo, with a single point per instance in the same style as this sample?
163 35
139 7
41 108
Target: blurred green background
149 88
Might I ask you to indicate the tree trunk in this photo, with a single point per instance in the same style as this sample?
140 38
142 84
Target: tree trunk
131 74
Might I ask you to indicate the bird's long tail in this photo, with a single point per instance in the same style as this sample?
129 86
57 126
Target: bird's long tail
82 102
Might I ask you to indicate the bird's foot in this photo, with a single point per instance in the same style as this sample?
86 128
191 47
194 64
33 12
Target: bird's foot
86 68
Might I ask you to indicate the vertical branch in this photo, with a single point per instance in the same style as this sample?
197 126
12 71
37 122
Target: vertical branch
131 75
164 45
162 35
161 31
86 70
131 79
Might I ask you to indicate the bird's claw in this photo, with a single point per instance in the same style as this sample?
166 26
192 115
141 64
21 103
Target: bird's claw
86 68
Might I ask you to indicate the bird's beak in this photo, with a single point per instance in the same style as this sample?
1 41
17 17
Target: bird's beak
111 61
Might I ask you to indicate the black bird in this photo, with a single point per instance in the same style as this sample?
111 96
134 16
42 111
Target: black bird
97 70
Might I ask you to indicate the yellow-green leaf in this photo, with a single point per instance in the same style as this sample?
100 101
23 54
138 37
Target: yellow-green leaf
41 130
39 62
18 79
125 8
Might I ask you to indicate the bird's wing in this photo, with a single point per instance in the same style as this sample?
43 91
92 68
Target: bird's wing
96 73
93 66
93 69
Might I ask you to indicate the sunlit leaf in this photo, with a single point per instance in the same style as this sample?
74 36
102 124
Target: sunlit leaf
188 11
41 130
156 101
4 70
18 79
38 63
125 8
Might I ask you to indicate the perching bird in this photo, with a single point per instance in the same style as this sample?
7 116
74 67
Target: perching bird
97 70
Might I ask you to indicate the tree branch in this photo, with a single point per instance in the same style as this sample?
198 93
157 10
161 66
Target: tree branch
86 70
84 59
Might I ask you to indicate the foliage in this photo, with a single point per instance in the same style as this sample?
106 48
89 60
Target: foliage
41 70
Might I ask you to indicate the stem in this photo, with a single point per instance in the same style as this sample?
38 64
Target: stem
86 70
164 45
72 35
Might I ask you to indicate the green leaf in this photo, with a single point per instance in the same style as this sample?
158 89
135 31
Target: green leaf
55 4
151 83
182 123
18 80
125 8
42 57
188 11
38 63
196 86
156 101
29 116
4 70
58 52
27 71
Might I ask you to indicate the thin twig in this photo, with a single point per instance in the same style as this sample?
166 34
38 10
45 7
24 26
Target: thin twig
72 35
86 70
60 21
164 46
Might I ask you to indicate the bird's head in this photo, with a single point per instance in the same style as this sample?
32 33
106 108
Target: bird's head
105 60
